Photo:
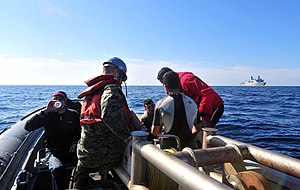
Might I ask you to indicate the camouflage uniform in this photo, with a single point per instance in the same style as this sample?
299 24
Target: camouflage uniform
102 144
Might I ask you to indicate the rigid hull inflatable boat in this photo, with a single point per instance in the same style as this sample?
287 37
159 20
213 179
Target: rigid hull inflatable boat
222 163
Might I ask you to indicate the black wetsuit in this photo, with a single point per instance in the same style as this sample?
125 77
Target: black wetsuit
180 126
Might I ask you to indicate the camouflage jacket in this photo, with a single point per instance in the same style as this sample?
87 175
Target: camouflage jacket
102 144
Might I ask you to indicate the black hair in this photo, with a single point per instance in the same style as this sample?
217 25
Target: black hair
161 73
171 80
148 101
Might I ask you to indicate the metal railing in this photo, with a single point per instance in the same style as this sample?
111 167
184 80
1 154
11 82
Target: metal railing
285 164
187 176
182 166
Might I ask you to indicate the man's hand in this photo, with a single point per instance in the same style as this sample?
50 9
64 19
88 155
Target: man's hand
50 107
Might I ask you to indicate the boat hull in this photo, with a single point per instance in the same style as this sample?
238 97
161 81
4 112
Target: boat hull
19 168
253 84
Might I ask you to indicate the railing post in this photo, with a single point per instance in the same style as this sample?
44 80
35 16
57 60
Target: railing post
138 163
206 132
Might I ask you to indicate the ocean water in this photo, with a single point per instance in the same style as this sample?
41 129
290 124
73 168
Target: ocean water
267 117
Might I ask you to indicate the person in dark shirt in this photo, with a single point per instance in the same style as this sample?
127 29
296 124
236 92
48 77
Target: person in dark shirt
71 104
62 132
147 117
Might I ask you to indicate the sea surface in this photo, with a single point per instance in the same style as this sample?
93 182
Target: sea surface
267 117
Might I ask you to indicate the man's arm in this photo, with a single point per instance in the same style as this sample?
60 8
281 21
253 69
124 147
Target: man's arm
35 122
156 130
38 120
112 113
156 127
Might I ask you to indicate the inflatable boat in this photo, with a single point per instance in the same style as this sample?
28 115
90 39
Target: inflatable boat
221 163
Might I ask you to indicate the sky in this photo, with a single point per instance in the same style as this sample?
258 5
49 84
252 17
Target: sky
224 42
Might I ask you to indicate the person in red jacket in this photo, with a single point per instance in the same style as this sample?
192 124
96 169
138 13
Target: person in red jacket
210 104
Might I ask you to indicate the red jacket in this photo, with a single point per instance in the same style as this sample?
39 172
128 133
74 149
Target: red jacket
204 96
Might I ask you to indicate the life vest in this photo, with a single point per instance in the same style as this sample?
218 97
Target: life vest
91 108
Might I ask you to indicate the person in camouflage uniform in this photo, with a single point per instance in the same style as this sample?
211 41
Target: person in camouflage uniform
106 123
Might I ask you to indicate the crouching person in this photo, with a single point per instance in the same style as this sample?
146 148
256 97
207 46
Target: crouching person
62 132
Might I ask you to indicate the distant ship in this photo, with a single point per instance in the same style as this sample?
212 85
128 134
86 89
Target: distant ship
254 82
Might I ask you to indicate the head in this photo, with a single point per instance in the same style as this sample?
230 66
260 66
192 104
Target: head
60 96
161 73
62 93
149 105
171 81
116 67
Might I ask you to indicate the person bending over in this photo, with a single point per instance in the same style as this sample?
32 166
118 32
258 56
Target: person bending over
210 104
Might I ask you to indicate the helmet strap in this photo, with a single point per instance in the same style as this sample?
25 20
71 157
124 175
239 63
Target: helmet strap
125 88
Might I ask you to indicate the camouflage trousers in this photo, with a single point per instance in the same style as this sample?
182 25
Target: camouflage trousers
99 147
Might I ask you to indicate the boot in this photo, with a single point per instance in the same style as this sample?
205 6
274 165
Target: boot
87 183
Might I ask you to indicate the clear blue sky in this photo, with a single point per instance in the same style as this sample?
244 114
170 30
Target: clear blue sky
223 42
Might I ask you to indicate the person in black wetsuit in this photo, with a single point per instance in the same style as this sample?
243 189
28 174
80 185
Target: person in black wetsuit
62 132
175 114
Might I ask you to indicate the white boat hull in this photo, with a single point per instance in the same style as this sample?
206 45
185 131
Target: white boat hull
253 84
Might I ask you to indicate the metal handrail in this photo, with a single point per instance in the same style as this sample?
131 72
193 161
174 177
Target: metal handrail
167 136
180 170
285 164
187 176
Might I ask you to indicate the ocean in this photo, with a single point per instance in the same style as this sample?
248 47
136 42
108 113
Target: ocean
267 117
